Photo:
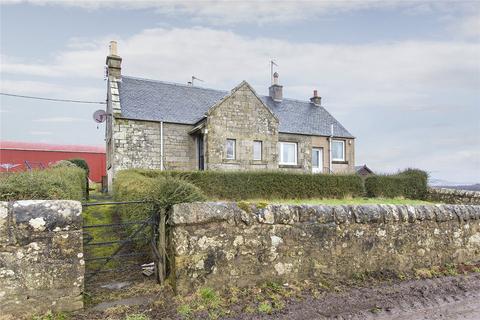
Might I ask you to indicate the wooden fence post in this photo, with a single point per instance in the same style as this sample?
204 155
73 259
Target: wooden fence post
162 267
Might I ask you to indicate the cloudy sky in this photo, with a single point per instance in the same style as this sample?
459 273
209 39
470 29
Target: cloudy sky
402 76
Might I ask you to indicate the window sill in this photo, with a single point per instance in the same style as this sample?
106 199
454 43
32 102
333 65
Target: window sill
295 166
231 161
339 162
258 162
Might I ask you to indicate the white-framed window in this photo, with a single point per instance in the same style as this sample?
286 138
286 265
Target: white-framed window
230 148
288 153
338 150
257 150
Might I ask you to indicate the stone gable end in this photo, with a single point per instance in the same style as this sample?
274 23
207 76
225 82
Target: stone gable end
241 116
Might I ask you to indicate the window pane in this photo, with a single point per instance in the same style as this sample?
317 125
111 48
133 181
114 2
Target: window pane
230 149
315 158
257 150
337 150
288 153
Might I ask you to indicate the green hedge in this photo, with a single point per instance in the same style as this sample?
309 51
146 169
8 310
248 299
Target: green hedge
410 183
49 184
244 185
81 163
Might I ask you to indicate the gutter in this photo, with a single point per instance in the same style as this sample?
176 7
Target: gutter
161 146
330 149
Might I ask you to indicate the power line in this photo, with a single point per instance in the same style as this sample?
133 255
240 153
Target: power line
50 99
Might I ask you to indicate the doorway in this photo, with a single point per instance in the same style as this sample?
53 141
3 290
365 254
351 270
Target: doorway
200 153
317 160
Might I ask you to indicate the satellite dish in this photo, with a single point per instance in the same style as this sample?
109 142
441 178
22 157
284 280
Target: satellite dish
100 116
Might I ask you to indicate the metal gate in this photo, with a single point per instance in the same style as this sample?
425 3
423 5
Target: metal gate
122 247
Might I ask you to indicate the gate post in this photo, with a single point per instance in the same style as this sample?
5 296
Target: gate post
162 261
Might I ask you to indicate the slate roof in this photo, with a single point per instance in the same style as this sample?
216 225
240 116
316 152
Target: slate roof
143 99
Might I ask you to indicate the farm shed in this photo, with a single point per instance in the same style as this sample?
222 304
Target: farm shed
21 156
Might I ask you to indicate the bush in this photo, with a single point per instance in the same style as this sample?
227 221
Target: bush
81 163
243 185
84 165
49 184
161 192
410 183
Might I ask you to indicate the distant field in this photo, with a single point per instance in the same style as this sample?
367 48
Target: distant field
351 201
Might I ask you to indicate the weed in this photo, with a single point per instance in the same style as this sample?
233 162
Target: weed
274 286
52 316
184 310
477 269
376 309
249 309
450 270
265 307
245 206
137 316
209 297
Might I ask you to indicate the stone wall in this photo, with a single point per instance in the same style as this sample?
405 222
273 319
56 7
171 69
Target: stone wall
136 144
219 244
241 116
179 147
41 257
453 196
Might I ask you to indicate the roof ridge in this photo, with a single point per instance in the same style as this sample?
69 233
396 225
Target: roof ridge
203 88
174 84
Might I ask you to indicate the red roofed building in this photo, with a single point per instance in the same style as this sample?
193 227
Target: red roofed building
21 156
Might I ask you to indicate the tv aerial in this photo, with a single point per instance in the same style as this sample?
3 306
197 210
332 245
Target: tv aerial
191 83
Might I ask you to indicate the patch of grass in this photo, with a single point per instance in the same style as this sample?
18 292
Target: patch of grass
265 307
95 215
137 316
204 300
450 270
185 310
52 316
209 297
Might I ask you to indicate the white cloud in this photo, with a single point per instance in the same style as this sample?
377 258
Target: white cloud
399 73
51 89
60 120
221 12
41 133
468 27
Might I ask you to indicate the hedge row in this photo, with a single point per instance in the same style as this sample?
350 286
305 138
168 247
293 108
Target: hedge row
243 185
410 184
66 183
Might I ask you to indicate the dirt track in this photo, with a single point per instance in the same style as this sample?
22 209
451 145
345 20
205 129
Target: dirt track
442 298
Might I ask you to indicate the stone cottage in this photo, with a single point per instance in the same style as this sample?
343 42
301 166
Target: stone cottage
169 126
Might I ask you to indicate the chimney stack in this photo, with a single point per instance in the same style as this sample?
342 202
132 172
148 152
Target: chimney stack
114 61
316 100
276 90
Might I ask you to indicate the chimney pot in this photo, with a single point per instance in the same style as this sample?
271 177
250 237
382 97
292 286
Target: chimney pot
316 100
113 48
114 61
276 90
